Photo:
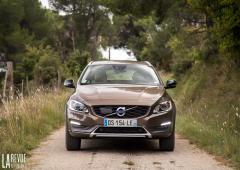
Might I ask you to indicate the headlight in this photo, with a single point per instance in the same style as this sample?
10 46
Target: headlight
163 107
77 106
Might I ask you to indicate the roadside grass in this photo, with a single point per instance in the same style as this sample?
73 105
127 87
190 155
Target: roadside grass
208 109
26 121
218 142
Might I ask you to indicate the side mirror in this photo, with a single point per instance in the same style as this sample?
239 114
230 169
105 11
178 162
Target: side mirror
69 83
171 84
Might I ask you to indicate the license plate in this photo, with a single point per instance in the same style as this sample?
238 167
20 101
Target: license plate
120 122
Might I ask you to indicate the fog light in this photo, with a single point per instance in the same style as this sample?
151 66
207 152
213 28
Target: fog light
72 122
166 123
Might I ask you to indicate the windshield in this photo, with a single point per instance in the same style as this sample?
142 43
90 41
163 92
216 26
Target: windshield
120 74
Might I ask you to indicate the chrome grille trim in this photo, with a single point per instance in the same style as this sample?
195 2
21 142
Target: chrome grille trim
127 135
132 111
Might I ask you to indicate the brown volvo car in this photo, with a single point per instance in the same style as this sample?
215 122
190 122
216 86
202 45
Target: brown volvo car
120 99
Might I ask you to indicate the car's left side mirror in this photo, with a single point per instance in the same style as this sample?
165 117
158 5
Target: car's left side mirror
69 83
171 84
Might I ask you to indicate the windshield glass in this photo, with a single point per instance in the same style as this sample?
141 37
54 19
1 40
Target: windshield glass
120 74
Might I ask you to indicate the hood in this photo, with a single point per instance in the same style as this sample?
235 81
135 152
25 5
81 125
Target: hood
119 95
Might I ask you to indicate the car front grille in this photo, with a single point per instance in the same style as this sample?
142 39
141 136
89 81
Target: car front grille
120 130
130 111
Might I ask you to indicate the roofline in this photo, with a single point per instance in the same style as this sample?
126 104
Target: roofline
90 62
142 62
148 63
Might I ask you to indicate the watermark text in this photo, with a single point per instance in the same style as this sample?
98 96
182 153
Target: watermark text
13 160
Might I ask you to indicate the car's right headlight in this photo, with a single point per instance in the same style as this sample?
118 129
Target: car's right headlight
163 107
77 106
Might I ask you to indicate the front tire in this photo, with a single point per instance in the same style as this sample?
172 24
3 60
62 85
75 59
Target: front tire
72 143
167 144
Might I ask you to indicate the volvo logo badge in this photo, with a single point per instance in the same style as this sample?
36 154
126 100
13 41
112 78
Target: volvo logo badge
121 111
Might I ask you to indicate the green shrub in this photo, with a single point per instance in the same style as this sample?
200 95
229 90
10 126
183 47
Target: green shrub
181 67
77 61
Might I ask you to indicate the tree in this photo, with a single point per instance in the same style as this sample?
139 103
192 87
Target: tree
12 37
76 63
46 70
87 19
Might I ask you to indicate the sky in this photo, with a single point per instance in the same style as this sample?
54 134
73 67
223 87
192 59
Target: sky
45 3
116 54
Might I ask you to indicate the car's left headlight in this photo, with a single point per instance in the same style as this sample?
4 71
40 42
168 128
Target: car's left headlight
163 107
77 106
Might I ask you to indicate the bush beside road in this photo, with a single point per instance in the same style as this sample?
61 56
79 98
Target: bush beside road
208 103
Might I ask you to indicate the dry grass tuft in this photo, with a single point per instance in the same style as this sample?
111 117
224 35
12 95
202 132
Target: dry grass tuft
25 121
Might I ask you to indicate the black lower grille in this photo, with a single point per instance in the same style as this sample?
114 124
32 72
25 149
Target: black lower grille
130 111
120 130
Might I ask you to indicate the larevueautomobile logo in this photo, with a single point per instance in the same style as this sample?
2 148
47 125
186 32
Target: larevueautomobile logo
121 111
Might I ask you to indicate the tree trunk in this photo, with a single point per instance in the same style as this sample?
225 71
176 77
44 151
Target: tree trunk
209 21
27 86
22 88
59 80
94 46
73 40
8 89
109 53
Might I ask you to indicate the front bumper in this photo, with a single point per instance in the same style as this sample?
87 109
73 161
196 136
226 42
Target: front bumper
153 126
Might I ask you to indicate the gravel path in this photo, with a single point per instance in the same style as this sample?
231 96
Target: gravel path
105 154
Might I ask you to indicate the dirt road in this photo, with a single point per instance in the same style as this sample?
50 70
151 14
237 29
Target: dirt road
104 154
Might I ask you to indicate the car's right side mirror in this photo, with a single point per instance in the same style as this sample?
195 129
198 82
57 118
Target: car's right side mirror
171 84
69 83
